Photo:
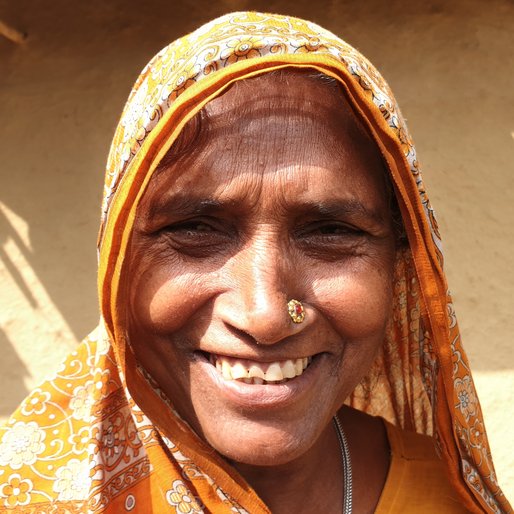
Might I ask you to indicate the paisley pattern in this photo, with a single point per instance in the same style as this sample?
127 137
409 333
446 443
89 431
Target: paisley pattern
87 442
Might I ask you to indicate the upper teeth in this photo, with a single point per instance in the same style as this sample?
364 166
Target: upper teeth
259 372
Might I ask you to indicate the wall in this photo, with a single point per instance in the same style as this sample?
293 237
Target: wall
449 62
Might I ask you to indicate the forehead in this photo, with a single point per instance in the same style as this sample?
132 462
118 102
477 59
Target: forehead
285 127
298 105
290 96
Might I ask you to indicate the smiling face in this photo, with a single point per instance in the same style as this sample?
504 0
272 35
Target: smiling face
282 196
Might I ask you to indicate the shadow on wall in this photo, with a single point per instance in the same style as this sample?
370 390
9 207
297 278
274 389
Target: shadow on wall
8 232
11 378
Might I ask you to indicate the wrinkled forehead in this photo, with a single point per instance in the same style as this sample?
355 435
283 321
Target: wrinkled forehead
293 107
300 96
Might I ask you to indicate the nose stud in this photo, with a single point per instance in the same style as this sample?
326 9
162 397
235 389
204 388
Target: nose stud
296 311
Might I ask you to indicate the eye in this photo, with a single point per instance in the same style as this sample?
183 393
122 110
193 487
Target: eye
331 240
336 229
329 229
192 227
198 237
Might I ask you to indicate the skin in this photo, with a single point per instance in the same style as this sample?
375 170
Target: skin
281 197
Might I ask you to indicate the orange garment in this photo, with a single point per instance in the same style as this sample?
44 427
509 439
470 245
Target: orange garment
100 436
417 482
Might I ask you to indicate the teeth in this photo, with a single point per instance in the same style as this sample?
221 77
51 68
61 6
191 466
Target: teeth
225 370
239 371
256 372
274 372
259 373
288 370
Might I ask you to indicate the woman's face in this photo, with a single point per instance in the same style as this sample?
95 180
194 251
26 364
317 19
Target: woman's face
282 197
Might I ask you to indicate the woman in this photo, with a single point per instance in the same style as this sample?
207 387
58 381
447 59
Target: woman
267 252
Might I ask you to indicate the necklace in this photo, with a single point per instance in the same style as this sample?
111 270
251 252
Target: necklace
347 466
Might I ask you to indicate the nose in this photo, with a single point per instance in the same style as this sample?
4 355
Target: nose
262 280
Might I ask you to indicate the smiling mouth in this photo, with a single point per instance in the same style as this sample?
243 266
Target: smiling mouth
259 373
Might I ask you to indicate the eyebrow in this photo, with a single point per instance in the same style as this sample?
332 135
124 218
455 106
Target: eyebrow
350 209
185 204
341 208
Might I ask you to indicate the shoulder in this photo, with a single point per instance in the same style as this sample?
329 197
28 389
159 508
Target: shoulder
410 445
45 445
417 480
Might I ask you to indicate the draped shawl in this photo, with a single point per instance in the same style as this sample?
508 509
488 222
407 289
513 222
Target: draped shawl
99 436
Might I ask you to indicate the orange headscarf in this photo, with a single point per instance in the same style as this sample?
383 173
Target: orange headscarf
101 437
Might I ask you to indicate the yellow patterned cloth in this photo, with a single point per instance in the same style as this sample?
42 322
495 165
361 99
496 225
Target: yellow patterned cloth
100 437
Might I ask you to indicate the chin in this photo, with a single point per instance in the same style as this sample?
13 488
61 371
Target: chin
273 441
264 446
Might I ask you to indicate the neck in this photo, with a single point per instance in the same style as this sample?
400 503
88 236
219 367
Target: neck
305 484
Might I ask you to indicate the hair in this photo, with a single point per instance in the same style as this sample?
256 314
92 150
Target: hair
195 133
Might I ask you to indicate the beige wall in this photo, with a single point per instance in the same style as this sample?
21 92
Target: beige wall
61 92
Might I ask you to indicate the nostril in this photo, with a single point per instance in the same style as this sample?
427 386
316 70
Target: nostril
242 334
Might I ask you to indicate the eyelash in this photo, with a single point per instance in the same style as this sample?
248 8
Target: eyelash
191 225
194 235
331 229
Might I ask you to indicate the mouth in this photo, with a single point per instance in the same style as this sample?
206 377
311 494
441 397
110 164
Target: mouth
258 373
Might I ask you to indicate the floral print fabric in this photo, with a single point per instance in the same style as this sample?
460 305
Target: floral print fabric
100 437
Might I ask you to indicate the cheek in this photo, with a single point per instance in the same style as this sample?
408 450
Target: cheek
162 300
357 303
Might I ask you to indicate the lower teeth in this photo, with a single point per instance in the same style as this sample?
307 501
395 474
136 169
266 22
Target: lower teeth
260 381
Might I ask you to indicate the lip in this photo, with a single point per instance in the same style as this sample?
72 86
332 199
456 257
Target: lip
265 396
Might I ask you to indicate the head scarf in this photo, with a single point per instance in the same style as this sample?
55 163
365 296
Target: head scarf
101 437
